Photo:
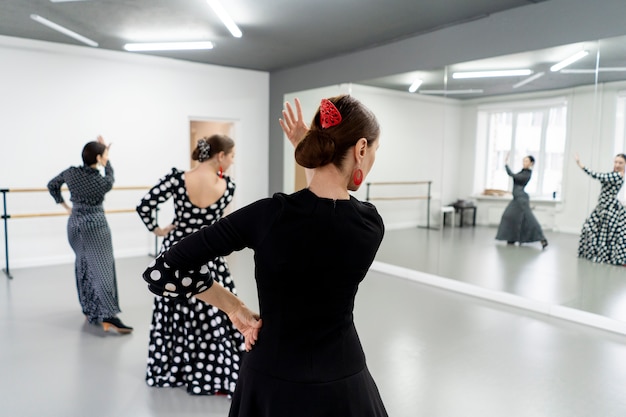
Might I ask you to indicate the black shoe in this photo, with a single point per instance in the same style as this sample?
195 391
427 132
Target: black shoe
116 325
544 243
510 242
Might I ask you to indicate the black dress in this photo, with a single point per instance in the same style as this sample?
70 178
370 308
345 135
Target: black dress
518 223
192 344
311 254
90 237
603 236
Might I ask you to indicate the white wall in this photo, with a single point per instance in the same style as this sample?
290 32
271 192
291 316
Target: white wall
419 142
55 98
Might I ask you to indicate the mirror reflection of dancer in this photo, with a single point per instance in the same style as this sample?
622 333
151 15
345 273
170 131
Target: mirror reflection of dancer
90 237
193 344
518 222
312 248
603 236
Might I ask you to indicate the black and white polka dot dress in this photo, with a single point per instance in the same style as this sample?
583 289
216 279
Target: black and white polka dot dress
603 236
90 237
192 344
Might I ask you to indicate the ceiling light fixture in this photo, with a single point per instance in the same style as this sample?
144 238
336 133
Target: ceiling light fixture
225 18
569 61
446 92
168 46
488 74
593 71
529 79
62 30
416 84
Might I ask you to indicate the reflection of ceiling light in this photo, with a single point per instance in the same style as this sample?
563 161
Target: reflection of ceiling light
569 61
487 74
416 84
446 92
593 71
225 18
529 79
62 30
168 46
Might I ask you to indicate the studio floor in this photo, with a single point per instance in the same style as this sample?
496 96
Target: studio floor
433 350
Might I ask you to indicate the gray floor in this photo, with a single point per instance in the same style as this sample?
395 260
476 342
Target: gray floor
432 352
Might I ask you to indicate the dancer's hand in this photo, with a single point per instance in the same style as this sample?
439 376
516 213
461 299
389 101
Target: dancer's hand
164 231
248 323
293 125
101 140
577 159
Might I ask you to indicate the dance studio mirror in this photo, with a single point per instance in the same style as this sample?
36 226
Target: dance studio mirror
552 114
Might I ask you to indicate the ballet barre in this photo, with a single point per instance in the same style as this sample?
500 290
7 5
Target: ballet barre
409 197
6 216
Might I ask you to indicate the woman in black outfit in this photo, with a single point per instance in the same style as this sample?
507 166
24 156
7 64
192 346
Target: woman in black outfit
518 223
312 249
90 237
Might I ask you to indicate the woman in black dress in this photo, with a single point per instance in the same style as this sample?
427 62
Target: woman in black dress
518 222
193 344
90 237
603 236
312 249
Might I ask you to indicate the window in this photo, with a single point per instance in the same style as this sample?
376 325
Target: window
538 130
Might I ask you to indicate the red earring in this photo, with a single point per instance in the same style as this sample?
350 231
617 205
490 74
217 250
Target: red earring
220 172
357 177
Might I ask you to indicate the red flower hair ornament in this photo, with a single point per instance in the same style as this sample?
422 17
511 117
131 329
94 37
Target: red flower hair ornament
329 115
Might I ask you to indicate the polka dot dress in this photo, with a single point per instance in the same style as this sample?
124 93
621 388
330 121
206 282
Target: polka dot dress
192 344
90 237
603 236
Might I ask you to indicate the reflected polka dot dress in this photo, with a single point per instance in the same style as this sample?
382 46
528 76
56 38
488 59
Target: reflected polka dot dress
192 344
603 235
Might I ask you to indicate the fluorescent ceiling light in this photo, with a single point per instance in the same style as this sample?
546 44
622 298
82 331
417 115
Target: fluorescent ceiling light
168 46
64 1
529 79
446 92
487 74
568 61
416 84
63 30
593 71
225 18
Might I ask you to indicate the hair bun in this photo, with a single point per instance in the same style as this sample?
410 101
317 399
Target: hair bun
315 150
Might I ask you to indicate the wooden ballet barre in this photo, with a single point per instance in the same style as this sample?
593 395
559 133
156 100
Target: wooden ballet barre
62 213
420 197
6 216
38 190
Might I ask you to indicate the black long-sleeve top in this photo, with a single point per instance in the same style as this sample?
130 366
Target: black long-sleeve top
311 254
86 185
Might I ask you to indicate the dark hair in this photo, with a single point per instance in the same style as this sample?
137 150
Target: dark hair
218 143
91 152
532 158
621 155
324 146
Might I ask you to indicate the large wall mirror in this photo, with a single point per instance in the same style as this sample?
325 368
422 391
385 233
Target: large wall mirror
454 131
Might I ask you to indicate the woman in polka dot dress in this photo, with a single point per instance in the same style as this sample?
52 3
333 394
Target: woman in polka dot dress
193 344
603 236
90 237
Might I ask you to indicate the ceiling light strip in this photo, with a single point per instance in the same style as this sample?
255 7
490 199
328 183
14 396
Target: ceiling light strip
416 84
593 71
445 92
569 61
63 30
225 18
489 74
168 46
529 79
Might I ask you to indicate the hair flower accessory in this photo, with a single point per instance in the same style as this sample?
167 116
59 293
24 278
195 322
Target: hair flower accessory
205 150
329 115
